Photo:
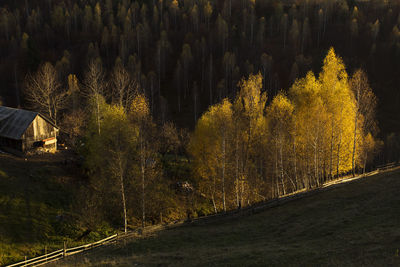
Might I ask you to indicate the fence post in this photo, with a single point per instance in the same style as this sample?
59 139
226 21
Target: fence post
65 249
45 252
25 261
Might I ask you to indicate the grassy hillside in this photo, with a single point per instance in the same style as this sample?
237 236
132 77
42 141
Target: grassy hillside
354 224
36 196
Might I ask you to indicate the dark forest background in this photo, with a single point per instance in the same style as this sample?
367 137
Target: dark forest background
187 55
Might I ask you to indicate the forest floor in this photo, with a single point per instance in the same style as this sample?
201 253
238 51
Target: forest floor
350 225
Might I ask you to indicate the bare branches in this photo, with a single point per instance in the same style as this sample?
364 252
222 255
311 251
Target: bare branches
44 91
124 88
94 81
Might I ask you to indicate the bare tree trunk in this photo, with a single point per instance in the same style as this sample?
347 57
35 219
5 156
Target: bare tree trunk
338 153
331 153
315 163
121 179
355 131
237 171
159 66
276 170
223 174
295 164
353 162
282 172
143 162
210 80
213 197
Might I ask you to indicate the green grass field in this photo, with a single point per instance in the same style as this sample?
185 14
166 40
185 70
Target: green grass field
355 224
36 195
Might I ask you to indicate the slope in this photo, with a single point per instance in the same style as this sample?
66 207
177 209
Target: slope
36 199
353 224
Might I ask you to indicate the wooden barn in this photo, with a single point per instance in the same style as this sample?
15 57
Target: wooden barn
24 130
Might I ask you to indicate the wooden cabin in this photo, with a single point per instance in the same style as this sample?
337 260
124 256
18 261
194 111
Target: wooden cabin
23 130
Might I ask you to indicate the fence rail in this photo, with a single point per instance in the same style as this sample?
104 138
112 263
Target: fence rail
387 166
62 253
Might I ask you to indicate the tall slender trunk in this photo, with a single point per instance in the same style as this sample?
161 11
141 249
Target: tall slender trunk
237 171
213 196
282 172
242 181
98 113
353 162
159 67
121 180
315 163
331 152
276 171
223 174
143 162
295 163
338 153
210 80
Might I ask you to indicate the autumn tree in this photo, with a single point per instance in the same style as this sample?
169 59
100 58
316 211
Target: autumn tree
249 108
280 127
310 123
210 146
339 102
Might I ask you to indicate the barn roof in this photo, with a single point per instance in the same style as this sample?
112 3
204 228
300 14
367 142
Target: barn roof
14 122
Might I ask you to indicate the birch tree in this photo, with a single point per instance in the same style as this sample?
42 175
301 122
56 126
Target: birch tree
123 86
108 153
94 85
45 93
145 145
280 124
210 146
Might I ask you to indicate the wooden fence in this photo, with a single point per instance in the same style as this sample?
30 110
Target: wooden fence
59 254
255 208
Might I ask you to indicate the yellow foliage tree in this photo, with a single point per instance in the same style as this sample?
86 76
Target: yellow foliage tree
339 102
250 125
310 123
280 125
210 146
296 142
